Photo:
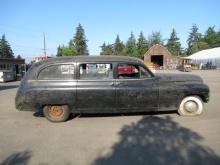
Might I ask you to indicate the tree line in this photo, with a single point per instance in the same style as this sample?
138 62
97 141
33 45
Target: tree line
196 41
138 47
132 47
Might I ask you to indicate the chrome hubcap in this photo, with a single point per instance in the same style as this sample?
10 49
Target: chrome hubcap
191 106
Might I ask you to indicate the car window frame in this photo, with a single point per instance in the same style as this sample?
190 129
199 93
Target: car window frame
136 64
55 64
98 62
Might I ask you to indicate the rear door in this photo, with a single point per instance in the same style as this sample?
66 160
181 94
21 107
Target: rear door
95 88
136 88
55 85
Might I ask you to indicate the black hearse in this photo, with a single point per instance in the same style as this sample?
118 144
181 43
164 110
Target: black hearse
107 84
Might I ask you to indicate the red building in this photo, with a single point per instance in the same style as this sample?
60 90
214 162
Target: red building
159 56
40 58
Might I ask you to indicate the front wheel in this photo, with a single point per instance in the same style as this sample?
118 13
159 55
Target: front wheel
56 113
191 106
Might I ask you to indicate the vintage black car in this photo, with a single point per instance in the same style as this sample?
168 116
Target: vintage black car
107 84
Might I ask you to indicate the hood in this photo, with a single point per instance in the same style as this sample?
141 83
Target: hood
178 77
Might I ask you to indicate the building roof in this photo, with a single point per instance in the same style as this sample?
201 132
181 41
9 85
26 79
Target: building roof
206 54
40 58
12 61
157 49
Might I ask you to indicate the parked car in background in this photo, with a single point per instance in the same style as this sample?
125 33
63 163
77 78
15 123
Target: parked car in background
7 75
107 84
185 64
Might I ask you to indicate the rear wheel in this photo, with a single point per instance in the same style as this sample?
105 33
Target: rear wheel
191 106
56 113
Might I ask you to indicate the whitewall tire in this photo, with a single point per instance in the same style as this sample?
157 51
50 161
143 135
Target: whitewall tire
191 106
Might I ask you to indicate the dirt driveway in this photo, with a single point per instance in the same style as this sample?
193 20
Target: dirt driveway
122 139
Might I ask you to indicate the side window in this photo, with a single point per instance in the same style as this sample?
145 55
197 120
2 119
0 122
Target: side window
96 71
128 71
57 72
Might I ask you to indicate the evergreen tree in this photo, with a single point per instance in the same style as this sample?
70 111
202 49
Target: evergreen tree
173 44
66 51
118 46
211 38
71 43
103 48
19 57
203 45
5 48
80 41
210 31
109 49
59 51
142 46
192 41
155 38
76 46
130 47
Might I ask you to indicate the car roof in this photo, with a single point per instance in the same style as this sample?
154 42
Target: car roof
91 58
102 58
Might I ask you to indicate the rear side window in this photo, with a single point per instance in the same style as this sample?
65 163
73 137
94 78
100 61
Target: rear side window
57 72
96 71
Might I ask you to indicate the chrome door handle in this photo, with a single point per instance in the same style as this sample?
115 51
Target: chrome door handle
112 84
115 83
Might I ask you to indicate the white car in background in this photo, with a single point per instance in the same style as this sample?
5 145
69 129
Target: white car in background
6 75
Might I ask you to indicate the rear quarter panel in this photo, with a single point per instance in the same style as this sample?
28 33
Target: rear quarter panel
40 93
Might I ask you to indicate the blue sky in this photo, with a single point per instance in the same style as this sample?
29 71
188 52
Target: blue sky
24 21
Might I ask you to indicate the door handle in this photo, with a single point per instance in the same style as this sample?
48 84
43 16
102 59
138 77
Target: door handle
115 83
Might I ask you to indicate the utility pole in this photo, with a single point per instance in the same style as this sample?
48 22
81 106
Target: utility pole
45 53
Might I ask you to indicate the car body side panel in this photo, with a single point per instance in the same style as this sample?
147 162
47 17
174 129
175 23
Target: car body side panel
40 93
137 95
195 88
169 94
97 96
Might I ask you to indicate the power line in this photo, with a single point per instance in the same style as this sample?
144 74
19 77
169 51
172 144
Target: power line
45 53
14 30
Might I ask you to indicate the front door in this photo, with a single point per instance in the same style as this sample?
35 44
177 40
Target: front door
95 88
136 89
